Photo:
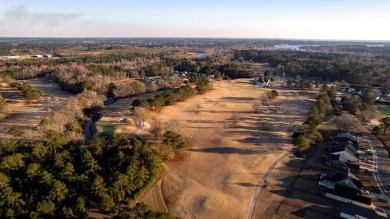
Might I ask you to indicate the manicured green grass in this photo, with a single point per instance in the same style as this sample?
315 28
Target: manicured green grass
107 130
384 111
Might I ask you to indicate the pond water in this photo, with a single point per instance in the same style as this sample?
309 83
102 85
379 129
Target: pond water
288 46
375 45
199 55
292 47
87 132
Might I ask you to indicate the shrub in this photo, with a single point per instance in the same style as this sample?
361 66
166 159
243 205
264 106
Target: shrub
275 93
14 131
302 143
376 130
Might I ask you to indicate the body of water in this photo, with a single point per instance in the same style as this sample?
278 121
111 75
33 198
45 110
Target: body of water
87 131
292 47
203 54
375 45
288 46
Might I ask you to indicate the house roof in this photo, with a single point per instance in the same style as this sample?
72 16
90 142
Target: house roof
347 135
347 179
343 147
354 210
352 165
334 157
340 139
349 193
346 143
336 176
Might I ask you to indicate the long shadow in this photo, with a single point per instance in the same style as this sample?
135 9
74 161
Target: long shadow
243 184
301 187
315 211
214 111
227 150
200 127
263 140
202 121
238 98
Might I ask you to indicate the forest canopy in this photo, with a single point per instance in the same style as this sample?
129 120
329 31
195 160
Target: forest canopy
54 178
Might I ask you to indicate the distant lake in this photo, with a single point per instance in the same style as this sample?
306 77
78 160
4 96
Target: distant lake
289 47
375 45
203 54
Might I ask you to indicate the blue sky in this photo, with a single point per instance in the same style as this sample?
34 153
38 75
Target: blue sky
298 19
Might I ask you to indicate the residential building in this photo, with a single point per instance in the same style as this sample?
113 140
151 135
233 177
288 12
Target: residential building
350 211
348 195
346 152
347 179
339 162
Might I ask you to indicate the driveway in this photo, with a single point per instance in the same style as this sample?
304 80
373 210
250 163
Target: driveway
380 157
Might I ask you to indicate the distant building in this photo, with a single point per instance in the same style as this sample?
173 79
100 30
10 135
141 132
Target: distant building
13 57
47 56
36 56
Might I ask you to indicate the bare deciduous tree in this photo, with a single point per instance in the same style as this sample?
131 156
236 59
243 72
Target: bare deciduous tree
174 125
140 114
344 122
235 117
367 115
157 127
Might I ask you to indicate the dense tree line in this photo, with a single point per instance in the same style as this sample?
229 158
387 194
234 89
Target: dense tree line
165 99
63 180
317 114
3 104
97 72
325 66
142 211
177 95
68 117
29 92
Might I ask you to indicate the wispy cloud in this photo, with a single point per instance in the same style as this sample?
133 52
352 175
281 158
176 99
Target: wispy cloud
18 20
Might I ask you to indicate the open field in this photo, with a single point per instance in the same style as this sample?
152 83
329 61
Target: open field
220 172
119 115
26 115
384 110
107 130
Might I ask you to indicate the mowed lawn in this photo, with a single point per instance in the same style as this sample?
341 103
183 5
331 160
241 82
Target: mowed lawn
384 111
107 130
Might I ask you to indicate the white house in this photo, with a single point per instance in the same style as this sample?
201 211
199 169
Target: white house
346 155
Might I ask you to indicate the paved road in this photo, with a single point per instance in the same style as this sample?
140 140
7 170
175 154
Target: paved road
261 183
381 157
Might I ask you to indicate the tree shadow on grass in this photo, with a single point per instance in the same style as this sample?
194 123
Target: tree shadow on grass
228 150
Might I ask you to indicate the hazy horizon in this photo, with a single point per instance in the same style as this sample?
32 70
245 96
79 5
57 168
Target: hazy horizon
346 20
